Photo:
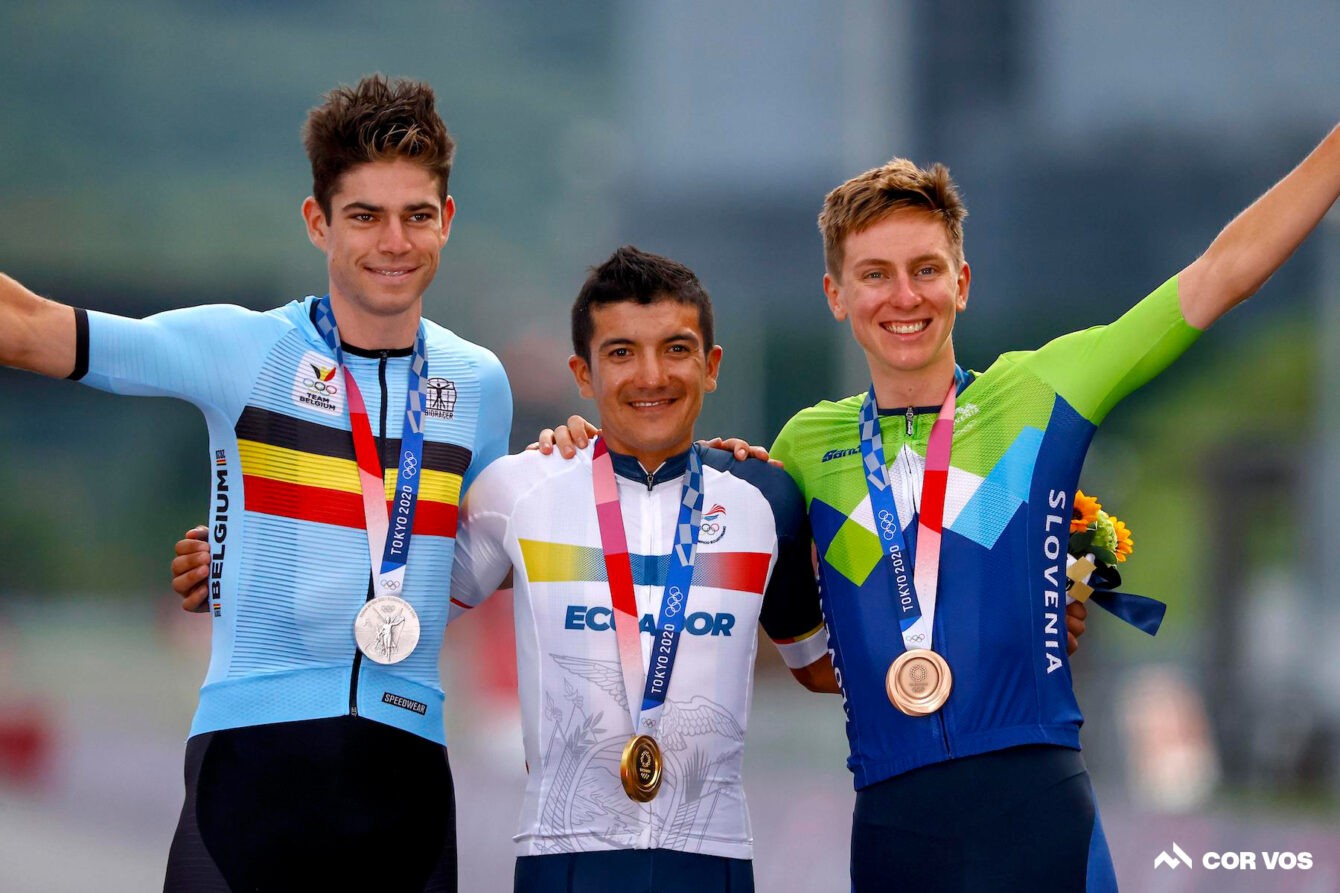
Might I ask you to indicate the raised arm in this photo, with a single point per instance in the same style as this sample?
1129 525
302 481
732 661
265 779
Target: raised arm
35 334
1261 238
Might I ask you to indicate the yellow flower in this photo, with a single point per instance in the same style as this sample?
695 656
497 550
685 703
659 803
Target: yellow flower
1085 513
1125 545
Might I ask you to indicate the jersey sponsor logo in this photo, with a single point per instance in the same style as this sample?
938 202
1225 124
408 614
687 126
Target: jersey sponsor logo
714 525
441 398
219 534
838 454
315 384
405 703
964 413
599 618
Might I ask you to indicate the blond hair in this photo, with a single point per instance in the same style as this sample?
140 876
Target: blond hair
898 185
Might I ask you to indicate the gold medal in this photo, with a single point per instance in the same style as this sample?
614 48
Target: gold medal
918 682
640 768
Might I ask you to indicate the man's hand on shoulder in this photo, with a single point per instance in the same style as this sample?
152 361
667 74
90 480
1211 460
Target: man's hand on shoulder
575 435
190 570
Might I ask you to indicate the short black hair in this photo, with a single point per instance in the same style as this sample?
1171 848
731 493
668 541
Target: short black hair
631 274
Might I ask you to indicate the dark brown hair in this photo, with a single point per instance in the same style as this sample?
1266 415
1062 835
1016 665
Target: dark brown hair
376 120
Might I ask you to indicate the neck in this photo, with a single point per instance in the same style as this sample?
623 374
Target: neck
649 459
371 331
922 387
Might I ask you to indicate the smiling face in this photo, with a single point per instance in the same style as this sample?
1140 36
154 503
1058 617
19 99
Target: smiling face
901 286
382 241
648 372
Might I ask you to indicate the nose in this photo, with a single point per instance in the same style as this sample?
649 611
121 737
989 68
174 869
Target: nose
905 294
651 372
394 238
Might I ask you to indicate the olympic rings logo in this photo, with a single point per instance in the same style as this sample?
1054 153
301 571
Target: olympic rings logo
320 387
409 464
886 523
710 527
674 601
392 585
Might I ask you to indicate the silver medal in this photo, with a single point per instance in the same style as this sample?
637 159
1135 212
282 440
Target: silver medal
387 629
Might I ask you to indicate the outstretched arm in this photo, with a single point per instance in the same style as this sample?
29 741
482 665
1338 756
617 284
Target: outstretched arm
1261 238
35 334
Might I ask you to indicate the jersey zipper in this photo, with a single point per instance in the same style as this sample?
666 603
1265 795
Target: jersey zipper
381 454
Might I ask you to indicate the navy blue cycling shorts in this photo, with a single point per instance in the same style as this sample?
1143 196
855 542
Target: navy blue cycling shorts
1018 819
633 871
327 804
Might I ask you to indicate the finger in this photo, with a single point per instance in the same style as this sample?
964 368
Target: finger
580 431
1071 644
188 581
563 439
191 547
195 561
198 532
776 463
197 601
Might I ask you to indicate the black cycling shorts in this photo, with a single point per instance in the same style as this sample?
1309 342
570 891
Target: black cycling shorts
328 804
633 871
1018 819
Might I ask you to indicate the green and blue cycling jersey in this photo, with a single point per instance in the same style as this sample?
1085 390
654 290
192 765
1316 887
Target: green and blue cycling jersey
1021 431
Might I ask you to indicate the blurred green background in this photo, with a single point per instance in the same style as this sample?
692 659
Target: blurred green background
149 158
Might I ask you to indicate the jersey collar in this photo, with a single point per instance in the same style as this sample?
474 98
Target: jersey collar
671 469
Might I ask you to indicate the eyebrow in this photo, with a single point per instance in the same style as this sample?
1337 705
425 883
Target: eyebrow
885 262
378 209
678 337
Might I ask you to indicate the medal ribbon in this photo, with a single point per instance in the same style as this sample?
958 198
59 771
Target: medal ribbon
915 590
655 682
389 536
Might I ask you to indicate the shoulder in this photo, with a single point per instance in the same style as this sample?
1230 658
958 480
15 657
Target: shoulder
509 478
812 432
826 413
481 358
773 484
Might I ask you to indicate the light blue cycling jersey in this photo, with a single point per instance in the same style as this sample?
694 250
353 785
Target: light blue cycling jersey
290 568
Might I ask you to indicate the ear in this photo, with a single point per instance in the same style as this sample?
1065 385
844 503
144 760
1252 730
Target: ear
316 222
832 291
581 372
964 280
448 212
713 367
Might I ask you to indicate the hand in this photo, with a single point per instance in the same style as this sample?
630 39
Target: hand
741 448
575 435
1075 613
190 570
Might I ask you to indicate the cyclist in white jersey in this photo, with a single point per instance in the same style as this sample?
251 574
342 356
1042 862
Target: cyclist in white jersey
642 337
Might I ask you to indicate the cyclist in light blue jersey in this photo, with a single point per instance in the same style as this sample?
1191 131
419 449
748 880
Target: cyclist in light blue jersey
343 430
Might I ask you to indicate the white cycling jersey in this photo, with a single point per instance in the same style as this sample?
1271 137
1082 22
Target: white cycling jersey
536 514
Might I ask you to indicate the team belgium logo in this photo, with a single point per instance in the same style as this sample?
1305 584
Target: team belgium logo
714 525
315 384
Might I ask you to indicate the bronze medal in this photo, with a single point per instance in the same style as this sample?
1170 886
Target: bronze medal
918 682
640 768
